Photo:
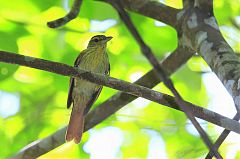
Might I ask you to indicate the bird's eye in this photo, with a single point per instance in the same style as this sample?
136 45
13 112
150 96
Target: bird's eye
96 40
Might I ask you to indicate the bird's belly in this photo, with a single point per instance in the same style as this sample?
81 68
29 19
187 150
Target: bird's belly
84 88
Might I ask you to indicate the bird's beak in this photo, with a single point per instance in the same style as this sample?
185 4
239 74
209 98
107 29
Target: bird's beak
108 38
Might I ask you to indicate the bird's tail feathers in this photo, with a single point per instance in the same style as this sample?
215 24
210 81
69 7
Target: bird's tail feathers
76 124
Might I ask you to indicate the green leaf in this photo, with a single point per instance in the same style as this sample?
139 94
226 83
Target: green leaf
97 10
7 43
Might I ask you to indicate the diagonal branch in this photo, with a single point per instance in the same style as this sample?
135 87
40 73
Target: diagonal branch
222 137
162 75
174 61
70 16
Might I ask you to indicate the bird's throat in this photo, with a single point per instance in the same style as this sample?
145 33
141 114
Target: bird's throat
95 60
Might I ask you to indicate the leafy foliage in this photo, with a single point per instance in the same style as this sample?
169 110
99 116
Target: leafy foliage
43 95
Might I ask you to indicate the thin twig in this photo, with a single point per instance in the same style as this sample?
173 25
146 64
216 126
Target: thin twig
150 56
70 16
222 137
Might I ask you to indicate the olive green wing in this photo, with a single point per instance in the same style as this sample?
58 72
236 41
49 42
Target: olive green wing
71 84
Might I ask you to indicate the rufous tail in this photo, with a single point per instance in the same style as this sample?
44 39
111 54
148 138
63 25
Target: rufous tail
76 125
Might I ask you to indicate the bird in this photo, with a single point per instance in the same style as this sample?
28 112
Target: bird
82 94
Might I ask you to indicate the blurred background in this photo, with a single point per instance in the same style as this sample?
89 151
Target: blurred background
32 102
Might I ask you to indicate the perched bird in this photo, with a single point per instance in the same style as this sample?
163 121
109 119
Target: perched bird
83 93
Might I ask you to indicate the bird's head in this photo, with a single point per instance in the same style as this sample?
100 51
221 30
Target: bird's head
99 41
